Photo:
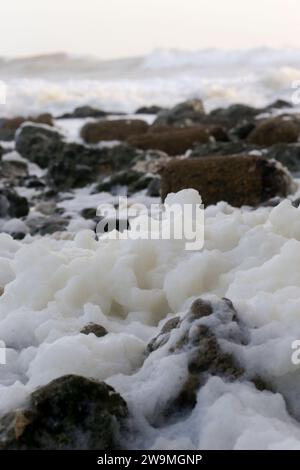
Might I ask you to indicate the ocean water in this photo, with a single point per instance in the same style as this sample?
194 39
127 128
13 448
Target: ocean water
53 286
58 83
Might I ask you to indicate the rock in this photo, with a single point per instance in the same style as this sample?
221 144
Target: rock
275 130
46 207
153 189
278 104
69 413
11 204
83 112
198 334
47 225
149 110
184 114
13 171
121 129
239 180
223 148
94 328
78 165
175 141
39 144
287 154
122 179
8 127
234 114
89 213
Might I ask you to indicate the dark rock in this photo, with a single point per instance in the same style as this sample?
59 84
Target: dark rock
149 110
153 189
94 328
278 104
241 131
33 181
8 127
287 154
235 114
184 114
275 130
121 129
239 180
69 413
78 165
88 213
122 179
11 204
39 144
84 112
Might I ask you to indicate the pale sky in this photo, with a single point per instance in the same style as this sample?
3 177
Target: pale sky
120 28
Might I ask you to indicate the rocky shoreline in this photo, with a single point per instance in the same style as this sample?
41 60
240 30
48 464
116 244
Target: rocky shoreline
243 156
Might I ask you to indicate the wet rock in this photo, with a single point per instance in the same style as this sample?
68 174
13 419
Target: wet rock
71 412
149 110
12 204
239 180
39 144
95 329
175 141
83 112
8 127
275 130
184 114
121 129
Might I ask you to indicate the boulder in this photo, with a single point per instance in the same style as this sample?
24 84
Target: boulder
121 129
275 130
69 413
184 114
9 126
39 144
239 180
175 141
